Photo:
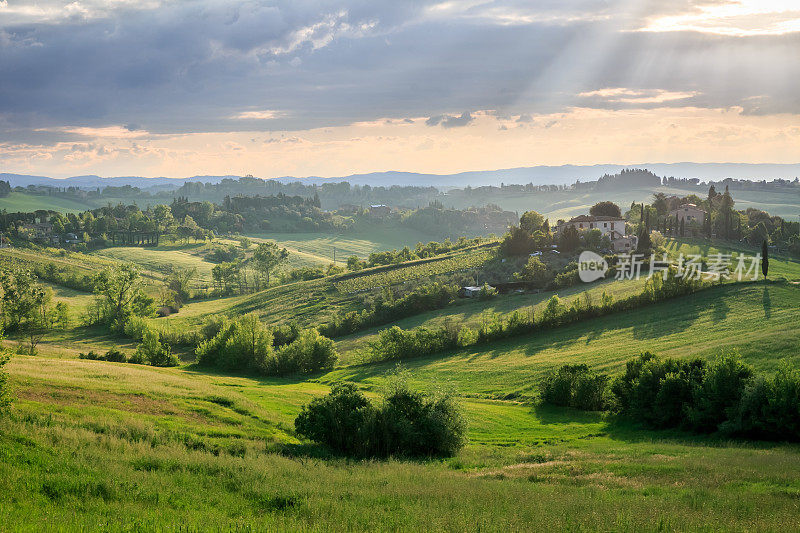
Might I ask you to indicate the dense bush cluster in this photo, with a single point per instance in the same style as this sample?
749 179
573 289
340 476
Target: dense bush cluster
724 396
247 345
405 423
575 386
395 343
113 355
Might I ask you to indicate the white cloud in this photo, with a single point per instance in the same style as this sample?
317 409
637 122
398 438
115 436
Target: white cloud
640 96
739 18
264 114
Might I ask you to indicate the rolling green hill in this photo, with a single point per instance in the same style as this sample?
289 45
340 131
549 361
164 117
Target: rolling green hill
757 319
128 446
25 203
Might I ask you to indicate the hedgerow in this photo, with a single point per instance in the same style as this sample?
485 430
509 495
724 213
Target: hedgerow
395 343
725 396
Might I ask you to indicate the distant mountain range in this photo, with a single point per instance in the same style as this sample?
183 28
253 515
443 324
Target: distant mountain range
540 175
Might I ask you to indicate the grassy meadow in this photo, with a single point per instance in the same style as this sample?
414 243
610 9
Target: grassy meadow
318 248
91 445
128 447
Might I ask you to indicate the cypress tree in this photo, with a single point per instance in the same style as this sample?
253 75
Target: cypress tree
764 258
683 227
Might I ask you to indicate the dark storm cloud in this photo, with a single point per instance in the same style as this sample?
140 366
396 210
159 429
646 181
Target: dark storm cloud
195 66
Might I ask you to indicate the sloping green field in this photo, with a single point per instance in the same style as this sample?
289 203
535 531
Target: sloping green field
761 321
18 202
361 242
132 447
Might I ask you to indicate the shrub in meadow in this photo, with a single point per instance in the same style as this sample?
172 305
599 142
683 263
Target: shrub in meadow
406 423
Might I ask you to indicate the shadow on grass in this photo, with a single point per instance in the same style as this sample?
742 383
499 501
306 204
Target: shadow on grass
623 429
293 379
549 414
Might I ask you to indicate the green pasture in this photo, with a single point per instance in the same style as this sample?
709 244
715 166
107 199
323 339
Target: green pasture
361 242
757 319
161 259
127 447
18 202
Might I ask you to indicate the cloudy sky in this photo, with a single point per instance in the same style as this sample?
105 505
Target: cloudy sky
319 87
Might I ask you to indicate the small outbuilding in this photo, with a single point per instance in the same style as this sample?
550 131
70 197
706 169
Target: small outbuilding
472 291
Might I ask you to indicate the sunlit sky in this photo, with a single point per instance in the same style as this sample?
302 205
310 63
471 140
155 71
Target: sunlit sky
317 87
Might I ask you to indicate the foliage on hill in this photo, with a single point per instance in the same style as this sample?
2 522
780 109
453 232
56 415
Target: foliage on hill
246 345
386 308
395 343
406 423
725 396
454 222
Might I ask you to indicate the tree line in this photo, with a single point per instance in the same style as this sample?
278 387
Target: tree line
726 396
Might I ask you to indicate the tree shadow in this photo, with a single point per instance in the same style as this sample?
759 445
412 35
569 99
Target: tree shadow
291 379
719 310
622 429
686 310
766 302
548 414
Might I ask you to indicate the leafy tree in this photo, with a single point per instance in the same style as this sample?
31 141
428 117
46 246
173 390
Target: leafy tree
310 352
644 243
592 239
531 221
517 241
570 239
717 399
536 272
188 228
226 276
121 295
25 305
764 258
660 203
244 344
355 263
406 423
152 351
178 282
605 209
268 257
61 318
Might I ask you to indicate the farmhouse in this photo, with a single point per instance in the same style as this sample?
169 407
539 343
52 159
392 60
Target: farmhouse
606 225
611 227
379 210
624 243
688 213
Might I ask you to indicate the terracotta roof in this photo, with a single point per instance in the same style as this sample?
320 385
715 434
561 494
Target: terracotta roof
592 218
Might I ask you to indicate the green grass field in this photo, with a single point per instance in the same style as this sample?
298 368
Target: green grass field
320 247
132 447
91 445
161 259
17 202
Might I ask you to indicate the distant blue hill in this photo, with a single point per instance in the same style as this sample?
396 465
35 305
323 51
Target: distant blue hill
540 175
